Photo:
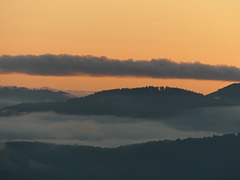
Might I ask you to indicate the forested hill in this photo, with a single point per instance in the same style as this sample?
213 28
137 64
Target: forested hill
137 102
212 158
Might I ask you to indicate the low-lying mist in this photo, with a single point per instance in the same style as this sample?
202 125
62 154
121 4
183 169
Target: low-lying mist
111 131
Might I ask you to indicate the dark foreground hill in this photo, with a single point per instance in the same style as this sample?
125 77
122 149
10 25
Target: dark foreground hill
138 102
212 158
16 95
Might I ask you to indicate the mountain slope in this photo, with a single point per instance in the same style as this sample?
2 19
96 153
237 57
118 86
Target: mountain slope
138 102
212 158
74 93
229 94
15 95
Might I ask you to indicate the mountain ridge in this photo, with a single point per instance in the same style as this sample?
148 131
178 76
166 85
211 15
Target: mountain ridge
215 158
136 102
11 95
230 94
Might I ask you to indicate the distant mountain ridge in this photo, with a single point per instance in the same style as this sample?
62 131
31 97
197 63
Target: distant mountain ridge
137 102
75 93
11 95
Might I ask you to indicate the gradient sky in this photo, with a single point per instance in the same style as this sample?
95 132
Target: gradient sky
188 30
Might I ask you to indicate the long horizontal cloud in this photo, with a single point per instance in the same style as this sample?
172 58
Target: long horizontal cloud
68 65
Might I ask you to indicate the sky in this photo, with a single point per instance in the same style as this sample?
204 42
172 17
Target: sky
206 31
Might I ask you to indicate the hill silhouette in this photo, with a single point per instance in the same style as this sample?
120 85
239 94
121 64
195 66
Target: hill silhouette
138 102
229 94
211 158
11 95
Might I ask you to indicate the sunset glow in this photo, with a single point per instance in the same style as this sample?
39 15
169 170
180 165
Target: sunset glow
189 31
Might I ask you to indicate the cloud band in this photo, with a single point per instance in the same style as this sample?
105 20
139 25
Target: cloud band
68 65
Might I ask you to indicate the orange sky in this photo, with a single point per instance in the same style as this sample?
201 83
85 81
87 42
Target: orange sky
186 30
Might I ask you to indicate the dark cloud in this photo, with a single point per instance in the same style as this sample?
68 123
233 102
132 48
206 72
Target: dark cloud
67 65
